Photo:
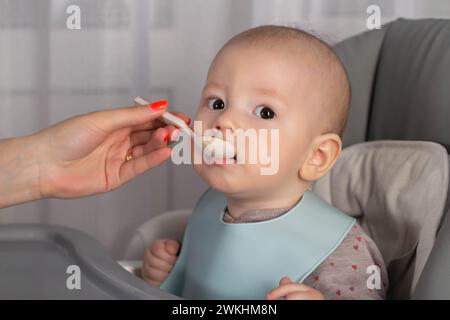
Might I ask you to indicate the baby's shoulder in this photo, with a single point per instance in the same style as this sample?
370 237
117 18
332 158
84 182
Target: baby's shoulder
344 273
359 249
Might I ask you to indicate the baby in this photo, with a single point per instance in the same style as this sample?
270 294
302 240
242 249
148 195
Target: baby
268 236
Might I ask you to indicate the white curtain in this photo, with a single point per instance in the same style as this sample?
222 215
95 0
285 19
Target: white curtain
334 20
155 49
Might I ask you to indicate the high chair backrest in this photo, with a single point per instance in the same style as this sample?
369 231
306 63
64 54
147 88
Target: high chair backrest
397 190
400 78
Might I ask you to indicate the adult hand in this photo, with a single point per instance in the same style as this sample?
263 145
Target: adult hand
87 154
84 155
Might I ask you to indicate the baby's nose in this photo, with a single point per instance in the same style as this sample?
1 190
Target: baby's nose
226 131
225 121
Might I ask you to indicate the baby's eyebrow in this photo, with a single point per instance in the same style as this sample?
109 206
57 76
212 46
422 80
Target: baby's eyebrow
213 85
269 92
262 91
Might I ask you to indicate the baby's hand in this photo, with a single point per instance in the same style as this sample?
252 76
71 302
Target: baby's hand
293 291
159 259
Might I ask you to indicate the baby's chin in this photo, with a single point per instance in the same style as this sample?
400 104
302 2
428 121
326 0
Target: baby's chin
219 180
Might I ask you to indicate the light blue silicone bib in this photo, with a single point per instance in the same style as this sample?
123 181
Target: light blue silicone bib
220 260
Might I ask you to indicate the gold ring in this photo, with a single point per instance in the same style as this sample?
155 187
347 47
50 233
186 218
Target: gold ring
129 155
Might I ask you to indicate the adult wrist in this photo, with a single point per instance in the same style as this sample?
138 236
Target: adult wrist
19 171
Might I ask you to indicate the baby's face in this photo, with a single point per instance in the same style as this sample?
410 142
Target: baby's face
249 87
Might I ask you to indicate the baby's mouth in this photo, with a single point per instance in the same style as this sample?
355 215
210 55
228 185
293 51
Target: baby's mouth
221 160
218 148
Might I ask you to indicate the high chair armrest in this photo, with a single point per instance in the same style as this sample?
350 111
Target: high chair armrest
132 266
168 225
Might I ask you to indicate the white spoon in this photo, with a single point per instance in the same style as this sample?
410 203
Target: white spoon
212 145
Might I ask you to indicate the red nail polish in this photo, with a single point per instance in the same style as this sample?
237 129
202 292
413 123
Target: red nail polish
166 137
159 105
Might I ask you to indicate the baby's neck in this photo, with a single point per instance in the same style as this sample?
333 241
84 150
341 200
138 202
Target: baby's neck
239 205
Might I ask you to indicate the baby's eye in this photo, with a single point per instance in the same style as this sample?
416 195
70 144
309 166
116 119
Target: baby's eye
216 103
264 112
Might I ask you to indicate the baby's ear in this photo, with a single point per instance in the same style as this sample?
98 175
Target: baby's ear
324 152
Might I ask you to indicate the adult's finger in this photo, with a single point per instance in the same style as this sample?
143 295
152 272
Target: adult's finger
113 119
139 165
152 138
159 139
160 123
140 137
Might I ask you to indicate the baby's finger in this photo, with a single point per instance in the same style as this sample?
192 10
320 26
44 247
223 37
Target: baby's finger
286 289
159 250
172 246
157 263
154 274
304 295
284 281
152 282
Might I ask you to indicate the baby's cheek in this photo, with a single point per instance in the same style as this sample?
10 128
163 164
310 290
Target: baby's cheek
293 149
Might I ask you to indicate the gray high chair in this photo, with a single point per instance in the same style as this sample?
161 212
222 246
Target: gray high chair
393 175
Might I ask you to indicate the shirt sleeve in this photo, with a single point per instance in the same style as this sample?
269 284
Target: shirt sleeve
354 270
